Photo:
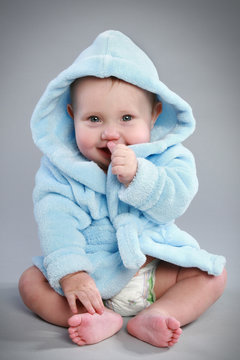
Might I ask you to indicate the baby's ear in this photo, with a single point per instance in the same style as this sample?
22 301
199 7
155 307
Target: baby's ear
156 112
70 110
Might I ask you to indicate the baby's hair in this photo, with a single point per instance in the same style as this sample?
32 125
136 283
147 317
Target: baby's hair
152 97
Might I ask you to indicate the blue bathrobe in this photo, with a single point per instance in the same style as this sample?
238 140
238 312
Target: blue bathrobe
89 221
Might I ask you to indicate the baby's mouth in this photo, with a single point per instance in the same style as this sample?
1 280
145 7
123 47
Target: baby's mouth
106 151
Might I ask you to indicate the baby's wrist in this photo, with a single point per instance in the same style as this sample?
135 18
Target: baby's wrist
68 276
131 180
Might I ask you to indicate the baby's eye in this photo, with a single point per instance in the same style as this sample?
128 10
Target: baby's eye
94 118
127 117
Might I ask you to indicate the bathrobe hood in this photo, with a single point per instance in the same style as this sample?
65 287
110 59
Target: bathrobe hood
111 54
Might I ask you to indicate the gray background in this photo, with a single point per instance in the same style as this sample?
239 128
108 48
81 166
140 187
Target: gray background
195 47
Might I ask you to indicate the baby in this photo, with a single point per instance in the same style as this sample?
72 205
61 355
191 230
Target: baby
106 196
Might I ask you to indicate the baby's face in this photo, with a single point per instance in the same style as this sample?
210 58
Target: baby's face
107 111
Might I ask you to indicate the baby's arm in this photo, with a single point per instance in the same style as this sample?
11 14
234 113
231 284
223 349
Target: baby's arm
163 187
80 286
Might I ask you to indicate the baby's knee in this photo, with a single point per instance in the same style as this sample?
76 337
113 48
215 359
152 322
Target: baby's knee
220 282
28 282
216 283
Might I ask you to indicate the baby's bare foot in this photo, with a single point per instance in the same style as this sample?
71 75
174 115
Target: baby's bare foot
90 329
155 329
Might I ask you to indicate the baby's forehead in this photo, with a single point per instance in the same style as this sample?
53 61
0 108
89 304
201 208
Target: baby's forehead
100 85
108 82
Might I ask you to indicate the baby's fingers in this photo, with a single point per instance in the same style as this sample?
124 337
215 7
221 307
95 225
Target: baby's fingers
98 305
111 145
71 298
84 299
92 302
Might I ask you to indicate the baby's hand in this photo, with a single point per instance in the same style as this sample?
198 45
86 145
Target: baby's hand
81 286
124 162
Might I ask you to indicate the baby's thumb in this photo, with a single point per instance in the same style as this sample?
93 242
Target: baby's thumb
111 145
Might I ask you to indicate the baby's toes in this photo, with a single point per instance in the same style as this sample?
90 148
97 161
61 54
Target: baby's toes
73 336
177 332
173 324
75 320
71 330
77 340
174 340
175 336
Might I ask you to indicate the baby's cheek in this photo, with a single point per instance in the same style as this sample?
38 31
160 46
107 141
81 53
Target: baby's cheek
83 143
140 136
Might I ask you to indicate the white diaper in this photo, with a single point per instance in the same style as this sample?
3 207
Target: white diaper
137 294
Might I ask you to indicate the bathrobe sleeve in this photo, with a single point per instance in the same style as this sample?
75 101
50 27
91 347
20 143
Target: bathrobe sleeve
60 221
164 185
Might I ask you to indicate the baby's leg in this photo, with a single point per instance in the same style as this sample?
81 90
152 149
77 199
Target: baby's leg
183 294
40 298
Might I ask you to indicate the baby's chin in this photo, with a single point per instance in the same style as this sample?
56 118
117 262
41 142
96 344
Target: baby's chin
104 167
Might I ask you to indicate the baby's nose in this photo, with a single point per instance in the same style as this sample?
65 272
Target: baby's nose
110 133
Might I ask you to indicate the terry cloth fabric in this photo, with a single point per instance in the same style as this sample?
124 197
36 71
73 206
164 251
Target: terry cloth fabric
89 221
